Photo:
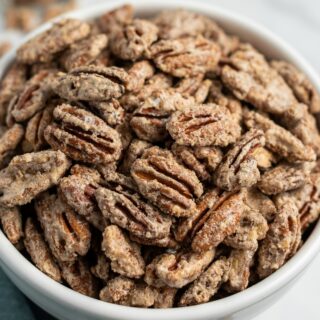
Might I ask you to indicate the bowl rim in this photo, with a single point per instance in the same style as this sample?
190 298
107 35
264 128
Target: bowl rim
25 271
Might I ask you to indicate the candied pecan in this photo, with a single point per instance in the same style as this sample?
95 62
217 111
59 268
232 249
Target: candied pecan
78 191
190 224
282 240
301 86
133 41
138 74
21 18
221 96
150 276
239 273
134 151
29 174
11 222
167 184
115 19
239 168
57 9
164 297
149 120
131 212
278 139
177 270
84 51
264 157
258 201
91 83
43 47
9 142
5 46
125 255
132 100
124 291
67 234
82 136
101 269
285 177
223 221
12 82
34 136
253 227
203 125
185 57
34 96
250 78
78 276
110 111
207 285
39 251
195 87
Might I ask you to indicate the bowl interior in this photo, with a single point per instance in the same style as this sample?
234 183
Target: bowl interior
270 45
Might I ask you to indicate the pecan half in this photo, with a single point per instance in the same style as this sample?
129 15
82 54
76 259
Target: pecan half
43 47
222 222
82 136
301 86
133 41
67 234
29 174
78 191
239 273
149 120
285 177
239 168
278 139
250 78
91 83
282 240
84 51
39 251
185 57
177 270
11 222
9 142
207 285
125 255
167 184
78 276
164 297
203 125
34 96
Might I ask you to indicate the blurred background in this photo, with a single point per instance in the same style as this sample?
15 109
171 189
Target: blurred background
296 21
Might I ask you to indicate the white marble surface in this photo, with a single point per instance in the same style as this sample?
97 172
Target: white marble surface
298 22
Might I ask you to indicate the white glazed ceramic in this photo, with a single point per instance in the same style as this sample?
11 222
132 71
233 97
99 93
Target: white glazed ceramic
66 304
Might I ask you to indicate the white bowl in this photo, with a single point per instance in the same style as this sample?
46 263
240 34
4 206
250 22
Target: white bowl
66 304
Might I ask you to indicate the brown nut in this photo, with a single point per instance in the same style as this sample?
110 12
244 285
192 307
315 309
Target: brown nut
203 125
185 57
131 212
78 192
48 43
82 136
164 297
29 174
101 269
239 168
67 234
177 270
207 285
222 222
167 184
39 251
125 255
11 222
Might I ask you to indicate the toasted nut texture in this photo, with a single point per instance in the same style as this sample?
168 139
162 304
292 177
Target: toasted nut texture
155 161
125 255
39 251
29 174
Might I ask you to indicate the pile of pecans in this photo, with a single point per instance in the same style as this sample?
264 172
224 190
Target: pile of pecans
156 163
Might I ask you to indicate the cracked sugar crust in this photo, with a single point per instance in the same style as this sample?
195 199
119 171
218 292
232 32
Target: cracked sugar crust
42 48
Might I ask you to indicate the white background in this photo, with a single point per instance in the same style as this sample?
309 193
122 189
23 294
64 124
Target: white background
298 22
